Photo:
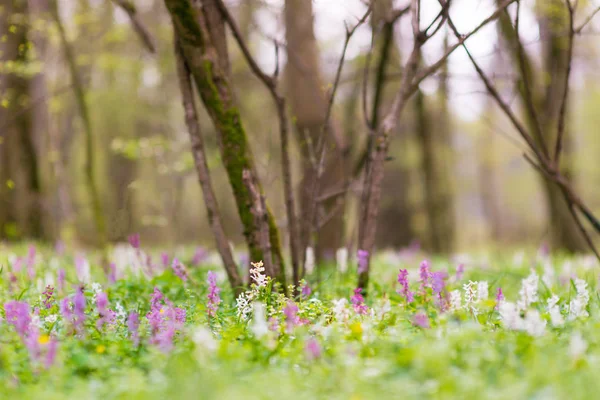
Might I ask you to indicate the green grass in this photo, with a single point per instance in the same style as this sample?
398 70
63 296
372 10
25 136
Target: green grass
381 354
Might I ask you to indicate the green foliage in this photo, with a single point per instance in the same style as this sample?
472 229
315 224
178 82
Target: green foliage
382 353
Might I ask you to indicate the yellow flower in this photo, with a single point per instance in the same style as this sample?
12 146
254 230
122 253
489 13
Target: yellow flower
162 311
356 328
43 339
100 349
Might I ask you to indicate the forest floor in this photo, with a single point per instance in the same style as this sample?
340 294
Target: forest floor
499 327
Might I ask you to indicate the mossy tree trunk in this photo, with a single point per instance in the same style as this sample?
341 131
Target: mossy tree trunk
201 33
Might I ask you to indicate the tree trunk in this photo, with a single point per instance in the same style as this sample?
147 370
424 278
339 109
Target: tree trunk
544 96
308 105
84 113
201 34
21 187
436 147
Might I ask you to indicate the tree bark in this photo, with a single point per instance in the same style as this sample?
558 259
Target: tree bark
308 105
201 34
436 147
20 186
541 97
210 200
84 113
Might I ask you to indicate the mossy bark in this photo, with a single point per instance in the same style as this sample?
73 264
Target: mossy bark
197 31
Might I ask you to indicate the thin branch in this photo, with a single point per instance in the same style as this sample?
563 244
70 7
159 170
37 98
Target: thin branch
565 93
587 20
270 83
138 26
525 75
210 200
461 40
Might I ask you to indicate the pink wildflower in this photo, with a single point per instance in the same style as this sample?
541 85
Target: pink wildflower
213 294
358 302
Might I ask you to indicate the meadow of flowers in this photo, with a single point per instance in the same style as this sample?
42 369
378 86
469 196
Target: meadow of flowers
167 326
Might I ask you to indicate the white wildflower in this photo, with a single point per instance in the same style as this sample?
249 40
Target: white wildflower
455 300
49 279
471 298
509 314
577 306
341 259
203 338
309 264
518 258
243 306
482 291
120 311
577 345
340 309
36 321
256 273
548 277
554 310
534 324
50 319
259 325
83 272
528 293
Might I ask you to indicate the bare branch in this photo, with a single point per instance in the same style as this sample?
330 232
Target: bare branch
138 26
525 75
565 93
587 20
461 39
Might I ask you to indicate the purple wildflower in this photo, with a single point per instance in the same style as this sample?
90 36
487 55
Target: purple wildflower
312 349
460 270
179 270
107 316
82 268
358 302
133 324
363 260
79 310
61 279
199 256
164 321
306 290
164 258
213 294
17 264
291 316
18 315
499 298
134 240
425 275
31 263
421 320
65 309
112 273
51 352
48 299
12 281
438 282
59 247
405 291
273 324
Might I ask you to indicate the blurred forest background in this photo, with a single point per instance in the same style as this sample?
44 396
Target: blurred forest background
94 146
